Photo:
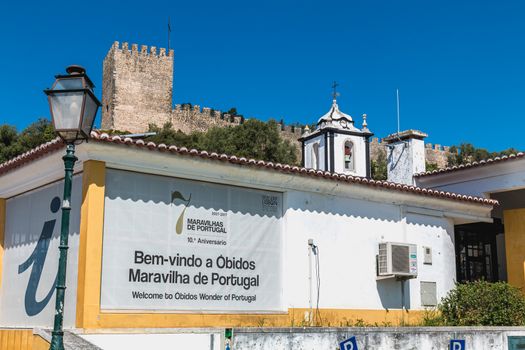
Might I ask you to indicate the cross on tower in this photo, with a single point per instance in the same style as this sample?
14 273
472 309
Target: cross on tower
335 93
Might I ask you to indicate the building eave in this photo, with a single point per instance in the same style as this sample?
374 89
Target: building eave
104 139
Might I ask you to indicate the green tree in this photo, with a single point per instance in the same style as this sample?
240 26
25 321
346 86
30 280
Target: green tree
251 139
483 304
232 111
431 166
379 166
467 153
167 135
13 143
9 146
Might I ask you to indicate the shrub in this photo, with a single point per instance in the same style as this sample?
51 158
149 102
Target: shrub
483 304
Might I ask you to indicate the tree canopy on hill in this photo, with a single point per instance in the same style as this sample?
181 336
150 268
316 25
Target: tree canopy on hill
466 153
13 143
252 139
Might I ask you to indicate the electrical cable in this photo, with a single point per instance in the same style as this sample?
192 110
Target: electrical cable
318 275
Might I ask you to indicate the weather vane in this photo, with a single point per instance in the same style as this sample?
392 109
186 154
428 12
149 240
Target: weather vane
335 93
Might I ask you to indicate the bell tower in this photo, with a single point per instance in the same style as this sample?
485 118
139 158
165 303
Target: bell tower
336 144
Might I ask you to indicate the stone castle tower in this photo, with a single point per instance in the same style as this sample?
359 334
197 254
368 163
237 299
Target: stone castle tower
137 87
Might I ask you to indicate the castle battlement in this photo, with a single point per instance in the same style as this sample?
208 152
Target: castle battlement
144 52
137 87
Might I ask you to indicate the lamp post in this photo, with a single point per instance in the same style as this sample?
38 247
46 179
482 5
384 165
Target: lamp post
73 108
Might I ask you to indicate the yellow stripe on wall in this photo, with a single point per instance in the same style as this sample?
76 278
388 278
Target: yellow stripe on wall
39 343
16 339
2 233
514 221
294 318
90 249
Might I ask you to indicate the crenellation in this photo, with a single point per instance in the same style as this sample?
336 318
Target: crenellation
153 50
144 50
162 52
287 128
196 109
237 119
124 46
446 148
437 147
206 111
217 114
428 145
134 49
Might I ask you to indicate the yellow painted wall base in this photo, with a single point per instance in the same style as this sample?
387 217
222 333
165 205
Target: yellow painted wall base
16 339
294 318
515 246
40 343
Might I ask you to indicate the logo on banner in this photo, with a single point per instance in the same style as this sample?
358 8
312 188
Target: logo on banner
348 344
456 344
176 195
36 260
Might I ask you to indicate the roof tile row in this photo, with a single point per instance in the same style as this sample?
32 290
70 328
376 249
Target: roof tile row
103 137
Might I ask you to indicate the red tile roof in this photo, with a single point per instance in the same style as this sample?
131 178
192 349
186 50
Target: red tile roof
31 155
56 144
485 162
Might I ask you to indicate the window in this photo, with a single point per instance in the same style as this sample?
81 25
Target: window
315 156
349 156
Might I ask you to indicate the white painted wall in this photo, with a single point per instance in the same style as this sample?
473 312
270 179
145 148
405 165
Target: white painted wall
375 338
348 232
185 340
359 154
25 218
404 159
479 181
308 153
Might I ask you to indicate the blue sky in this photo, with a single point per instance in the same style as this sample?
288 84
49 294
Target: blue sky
459 65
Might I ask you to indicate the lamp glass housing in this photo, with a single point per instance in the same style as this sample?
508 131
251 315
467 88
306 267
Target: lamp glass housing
73 106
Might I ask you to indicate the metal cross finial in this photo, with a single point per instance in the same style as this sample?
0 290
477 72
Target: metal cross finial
335 93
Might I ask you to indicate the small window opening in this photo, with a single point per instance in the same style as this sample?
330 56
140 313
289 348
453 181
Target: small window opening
349 156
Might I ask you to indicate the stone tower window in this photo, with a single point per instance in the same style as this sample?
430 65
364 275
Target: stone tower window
349 156
315 156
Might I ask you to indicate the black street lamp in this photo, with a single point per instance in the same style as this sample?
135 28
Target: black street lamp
73 109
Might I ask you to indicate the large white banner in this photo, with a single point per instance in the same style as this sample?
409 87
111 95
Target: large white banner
30 263
179 245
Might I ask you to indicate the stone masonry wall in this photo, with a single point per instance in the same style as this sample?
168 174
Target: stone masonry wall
137 87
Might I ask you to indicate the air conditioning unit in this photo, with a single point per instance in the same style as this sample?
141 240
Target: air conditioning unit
397 260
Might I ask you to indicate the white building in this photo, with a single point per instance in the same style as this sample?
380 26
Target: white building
144 214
